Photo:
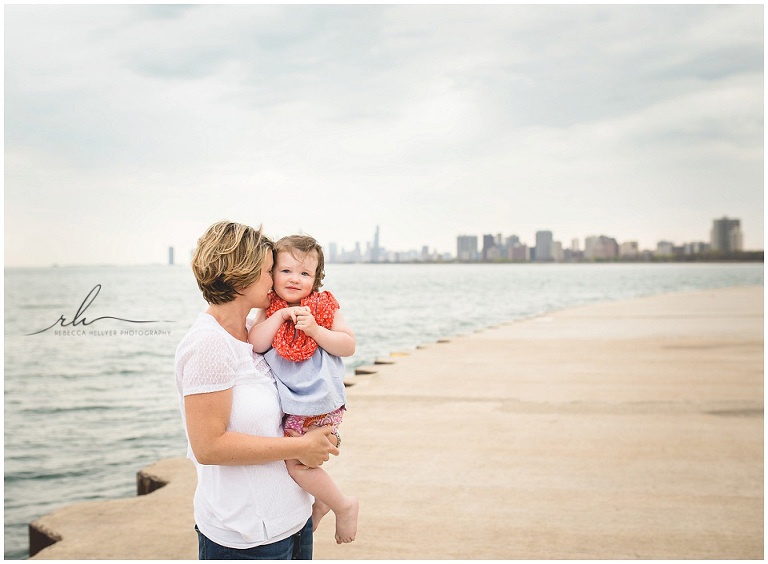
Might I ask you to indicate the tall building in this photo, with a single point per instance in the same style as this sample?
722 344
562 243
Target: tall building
557 251
520 253
466 247
589 246
170 256
629 249
375 252
695 248
544 246
726 235
575 245
357 255
507 244
601 247
665 249
489 243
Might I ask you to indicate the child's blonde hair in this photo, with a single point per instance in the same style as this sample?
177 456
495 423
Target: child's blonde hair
304 244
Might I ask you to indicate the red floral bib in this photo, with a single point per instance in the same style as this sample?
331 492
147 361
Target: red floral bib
292 343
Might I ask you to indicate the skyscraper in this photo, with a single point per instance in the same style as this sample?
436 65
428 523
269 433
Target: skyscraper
665 248
375 250
629 249
489 243
466 247
601 247
510 244
170 256
544 246
726 235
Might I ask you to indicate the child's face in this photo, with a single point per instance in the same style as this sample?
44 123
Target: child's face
294 277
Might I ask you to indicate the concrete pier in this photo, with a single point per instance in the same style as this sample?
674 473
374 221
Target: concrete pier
625 430
156 525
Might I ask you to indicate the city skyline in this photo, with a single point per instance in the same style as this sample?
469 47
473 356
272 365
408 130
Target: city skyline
132 128
542 238
365 251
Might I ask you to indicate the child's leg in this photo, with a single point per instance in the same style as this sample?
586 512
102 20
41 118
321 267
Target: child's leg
319 510
320 484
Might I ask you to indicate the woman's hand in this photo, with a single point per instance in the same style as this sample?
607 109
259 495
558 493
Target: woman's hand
317 446
332 437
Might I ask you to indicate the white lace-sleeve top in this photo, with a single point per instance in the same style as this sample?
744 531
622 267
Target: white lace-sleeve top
239 506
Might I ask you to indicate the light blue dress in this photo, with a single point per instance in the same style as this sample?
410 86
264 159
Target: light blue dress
309 387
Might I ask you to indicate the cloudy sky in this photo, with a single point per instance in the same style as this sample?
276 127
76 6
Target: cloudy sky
132 128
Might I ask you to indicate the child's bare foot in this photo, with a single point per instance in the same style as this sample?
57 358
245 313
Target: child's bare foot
346 522
319 509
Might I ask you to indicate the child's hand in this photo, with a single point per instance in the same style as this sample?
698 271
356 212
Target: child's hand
306 321
290 313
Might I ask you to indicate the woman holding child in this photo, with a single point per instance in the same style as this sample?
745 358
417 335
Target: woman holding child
246 504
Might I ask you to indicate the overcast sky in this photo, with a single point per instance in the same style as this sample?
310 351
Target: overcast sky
132 128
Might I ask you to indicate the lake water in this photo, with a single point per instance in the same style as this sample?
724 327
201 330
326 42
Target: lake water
87 406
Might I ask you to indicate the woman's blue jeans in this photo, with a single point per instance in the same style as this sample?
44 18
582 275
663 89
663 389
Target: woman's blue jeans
296 547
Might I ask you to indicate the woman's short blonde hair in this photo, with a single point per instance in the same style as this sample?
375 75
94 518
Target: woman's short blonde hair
227 259
304 244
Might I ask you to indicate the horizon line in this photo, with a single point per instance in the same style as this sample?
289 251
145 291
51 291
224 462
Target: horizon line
448 261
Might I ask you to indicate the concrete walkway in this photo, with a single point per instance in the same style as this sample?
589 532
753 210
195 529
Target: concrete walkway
156 526
612 431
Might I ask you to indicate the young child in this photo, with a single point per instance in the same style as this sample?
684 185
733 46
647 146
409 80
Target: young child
302 335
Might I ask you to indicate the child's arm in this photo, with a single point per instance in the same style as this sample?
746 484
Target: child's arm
263 332
338 340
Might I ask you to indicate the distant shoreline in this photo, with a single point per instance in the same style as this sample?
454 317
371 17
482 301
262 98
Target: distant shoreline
745 257
758 258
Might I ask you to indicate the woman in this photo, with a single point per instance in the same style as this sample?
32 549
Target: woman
246 504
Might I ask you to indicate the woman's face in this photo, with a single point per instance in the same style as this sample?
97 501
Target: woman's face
257 293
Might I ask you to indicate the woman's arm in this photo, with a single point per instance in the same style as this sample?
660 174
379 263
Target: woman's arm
263 331
338 340
207 419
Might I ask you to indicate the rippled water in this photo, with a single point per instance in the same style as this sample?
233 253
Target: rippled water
87 407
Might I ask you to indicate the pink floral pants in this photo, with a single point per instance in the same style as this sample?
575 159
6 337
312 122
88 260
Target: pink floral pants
300 423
